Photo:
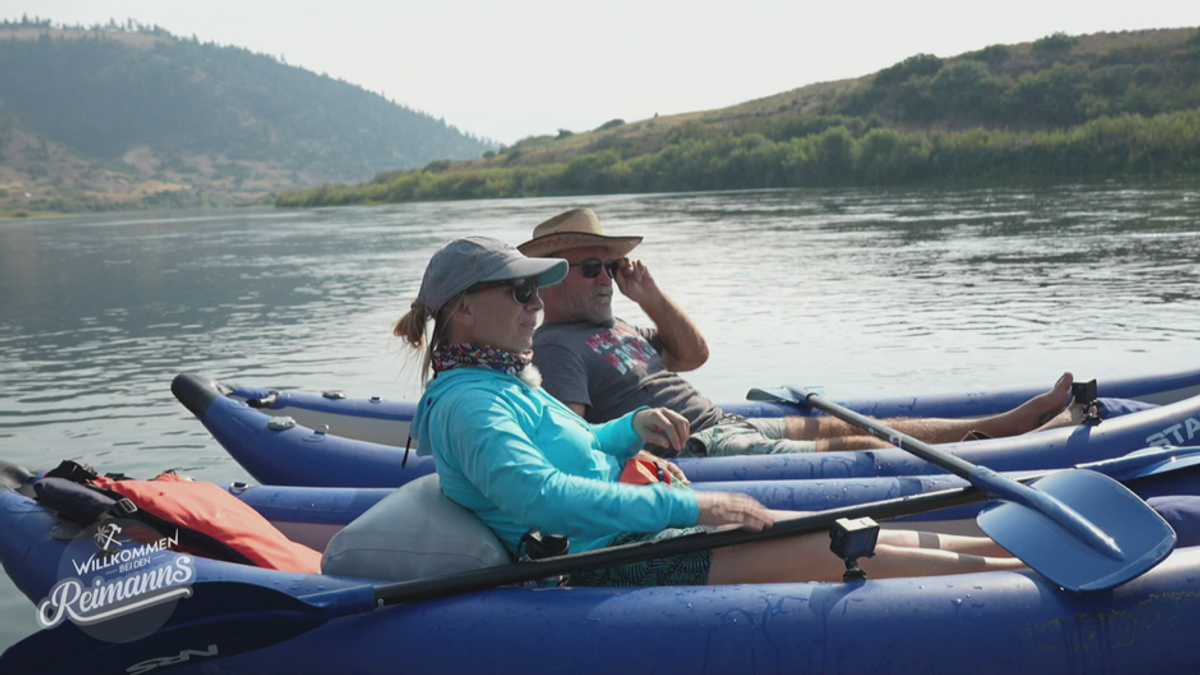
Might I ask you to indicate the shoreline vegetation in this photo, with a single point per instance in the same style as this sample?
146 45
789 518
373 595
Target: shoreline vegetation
840 156
1063 108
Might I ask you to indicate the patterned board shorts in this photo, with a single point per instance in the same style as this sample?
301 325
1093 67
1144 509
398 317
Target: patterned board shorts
737 435
685 569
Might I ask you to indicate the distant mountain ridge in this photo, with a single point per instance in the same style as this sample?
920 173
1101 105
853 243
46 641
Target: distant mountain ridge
90 117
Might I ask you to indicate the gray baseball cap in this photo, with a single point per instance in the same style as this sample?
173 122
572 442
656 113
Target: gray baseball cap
465 262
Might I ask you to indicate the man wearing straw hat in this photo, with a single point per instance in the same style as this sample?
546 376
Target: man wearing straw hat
603 367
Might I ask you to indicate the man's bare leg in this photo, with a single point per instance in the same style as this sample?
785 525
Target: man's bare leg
1028 416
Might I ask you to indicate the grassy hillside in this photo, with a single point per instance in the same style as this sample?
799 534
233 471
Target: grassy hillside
1063 107
110 116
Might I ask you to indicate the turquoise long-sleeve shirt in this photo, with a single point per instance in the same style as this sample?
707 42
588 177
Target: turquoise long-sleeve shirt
519 459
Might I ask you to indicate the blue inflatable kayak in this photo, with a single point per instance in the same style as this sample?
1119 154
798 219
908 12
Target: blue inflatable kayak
228 618
290 438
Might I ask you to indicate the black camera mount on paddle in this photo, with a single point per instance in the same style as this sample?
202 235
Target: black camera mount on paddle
1085 395
851 539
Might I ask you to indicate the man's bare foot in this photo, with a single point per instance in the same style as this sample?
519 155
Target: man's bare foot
1033 414
1051 404
1071 417
1054 401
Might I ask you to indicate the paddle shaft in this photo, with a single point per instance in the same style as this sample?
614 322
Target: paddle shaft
1144 463
979 476
466 582
1138 465
955 465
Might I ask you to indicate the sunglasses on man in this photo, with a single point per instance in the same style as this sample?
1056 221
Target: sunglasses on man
523 290
591 267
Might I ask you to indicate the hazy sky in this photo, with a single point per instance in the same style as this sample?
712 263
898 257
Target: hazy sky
506 69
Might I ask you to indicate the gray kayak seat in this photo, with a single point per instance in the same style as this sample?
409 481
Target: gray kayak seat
413 533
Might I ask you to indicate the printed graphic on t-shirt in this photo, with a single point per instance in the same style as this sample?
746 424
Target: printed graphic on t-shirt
622 347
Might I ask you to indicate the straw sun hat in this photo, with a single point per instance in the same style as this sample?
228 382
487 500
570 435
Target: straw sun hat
576 228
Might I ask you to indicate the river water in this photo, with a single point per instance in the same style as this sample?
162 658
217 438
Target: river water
863 292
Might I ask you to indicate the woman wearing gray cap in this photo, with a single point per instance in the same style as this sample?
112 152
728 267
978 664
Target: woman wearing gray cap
520 459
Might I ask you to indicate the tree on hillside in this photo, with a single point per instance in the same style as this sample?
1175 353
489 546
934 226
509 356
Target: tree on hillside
1055 43
967 87
1049 97
920 65
993 55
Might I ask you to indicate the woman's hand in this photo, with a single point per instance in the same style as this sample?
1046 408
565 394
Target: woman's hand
662 427
670 467
733 508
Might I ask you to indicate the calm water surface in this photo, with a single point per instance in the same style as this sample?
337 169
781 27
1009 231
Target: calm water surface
863 292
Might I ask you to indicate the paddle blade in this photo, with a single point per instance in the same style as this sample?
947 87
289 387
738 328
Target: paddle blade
1147 462
1143 537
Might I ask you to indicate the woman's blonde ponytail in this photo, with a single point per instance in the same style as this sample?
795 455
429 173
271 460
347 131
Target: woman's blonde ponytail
411 326
411 329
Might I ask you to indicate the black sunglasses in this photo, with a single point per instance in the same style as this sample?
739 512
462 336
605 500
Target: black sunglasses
592 266
523 290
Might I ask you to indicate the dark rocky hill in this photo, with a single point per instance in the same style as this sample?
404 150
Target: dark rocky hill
110 116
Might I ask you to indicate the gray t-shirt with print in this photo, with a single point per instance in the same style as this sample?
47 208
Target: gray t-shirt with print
613 370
